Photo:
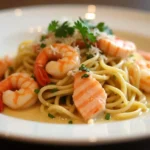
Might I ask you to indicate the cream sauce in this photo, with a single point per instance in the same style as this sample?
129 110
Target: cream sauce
34 113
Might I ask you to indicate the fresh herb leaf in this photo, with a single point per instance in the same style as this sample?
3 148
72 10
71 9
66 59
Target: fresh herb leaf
88 23
70 122
64 30
104 28
43 45
83 68
107 116
50 115
85 76
89 56
37 91
43 37
53 26
54 90
87 35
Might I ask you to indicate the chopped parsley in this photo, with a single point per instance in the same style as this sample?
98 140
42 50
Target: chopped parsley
89 56
85 75
37 91
83 68
54 90
70 122
87 35
43 37
43 45
104 28
107 116
50 115
61 30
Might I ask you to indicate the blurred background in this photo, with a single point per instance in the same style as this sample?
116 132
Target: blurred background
138 4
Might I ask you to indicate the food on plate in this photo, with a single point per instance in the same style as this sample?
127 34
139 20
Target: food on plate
78 71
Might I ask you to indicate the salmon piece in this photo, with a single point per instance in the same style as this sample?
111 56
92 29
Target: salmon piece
89 97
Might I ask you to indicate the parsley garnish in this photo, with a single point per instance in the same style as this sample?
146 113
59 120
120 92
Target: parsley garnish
53 26
104 28
88 23
43 37
107 116
37 91
54 90
62 30
83 68
85 76
50 115
43 45
89 56
70 122
87 35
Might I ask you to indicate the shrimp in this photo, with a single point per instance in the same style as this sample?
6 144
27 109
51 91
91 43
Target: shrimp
145 54
4 64
144 67
116 47
17 91
56 61
89 96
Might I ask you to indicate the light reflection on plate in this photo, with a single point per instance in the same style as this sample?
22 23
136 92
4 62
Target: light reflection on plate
25 24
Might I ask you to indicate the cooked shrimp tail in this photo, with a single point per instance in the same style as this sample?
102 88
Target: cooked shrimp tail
41 75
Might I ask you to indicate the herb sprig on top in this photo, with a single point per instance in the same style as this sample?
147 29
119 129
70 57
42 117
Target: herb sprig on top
85 27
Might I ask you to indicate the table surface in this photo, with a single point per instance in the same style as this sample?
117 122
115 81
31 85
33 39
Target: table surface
138 145
138 4
143 144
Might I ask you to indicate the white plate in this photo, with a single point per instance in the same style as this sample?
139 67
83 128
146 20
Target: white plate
21 24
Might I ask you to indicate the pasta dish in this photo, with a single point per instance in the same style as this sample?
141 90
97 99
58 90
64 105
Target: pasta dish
79 71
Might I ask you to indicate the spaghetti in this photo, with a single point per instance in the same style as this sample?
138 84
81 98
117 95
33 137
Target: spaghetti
120 77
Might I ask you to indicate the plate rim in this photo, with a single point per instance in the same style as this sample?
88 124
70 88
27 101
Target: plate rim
72 141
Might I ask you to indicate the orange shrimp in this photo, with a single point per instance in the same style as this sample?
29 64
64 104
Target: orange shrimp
56 61
17 91
144 66
116 47
145 54
89 96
